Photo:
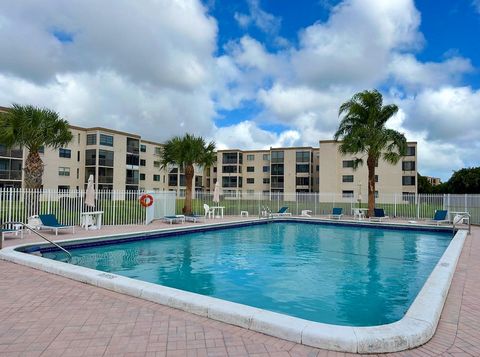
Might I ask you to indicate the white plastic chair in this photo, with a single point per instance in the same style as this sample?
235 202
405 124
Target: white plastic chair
208 211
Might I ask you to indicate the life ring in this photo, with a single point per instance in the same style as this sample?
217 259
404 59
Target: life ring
146 200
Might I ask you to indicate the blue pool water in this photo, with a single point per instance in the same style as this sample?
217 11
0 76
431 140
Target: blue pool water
356 276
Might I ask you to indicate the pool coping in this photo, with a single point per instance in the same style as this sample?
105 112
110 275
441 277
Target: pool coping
414 329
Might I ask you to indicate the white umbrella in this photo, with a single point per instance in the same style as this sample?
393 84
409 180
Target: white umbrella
216 193
90 193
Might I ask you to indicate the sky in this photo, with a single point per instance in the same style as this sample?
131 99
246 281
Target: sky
250 74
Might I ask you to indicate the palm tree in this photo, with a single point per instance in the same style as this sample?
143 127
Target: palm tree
34 128
185 152
362 132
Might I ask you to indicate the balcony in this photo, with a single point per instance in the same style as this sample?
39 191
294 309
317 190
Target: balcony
132 181
10 175
18 153
105 179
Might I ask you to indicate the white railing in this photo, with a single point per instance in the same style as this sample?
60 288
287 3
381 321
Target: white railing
122 207
119 207
408 206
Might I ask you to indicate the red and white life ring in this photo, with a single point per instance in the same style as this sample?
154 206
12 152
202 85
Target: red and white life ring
146 200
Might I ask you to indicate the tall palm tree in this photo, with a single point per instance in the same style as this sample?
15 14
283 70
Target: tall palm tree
185 152
362 132
34 128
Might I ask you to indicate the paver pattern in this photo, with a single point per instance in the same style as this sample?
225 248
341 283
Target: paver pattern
42 314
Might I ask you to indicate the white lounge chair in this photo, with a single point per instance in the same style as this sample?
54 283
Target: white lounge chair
281 212
379 215
336 213
178 218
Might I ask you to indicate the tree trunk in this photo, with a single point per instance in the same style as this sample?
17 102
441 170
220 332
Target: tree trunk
189 173
371 185
33 172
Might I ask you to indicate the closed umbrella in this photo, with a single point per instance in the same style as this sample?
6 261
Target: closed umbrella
90 193
216 193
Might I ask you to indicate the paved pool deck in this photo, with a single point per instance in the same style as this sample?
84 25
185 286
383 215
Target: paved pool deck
42 314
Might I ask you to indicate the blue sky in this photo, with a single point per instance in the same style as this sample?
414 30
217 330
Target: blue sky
251 74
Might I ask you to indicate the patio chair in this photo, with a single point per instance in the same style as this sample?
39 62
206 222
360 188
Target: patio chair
336 213
178 218
378 215
193 217
13 230
49 221
281 212
439 217
210 212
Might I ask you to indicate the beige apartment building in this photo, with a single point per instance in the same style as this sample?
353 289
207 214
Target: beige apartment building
124 161
338 176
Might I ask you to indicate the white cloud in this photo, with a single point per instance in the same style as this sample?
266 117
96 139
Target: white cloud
265 21
476 4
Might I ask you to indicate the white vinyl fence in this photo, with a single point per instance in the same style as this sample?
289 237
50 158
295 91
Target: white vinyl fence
123 207
119 207
408 206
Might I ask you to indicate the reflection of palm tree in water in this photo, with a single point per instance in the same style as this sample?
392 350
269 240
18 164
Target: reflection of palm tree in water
184 277
362 300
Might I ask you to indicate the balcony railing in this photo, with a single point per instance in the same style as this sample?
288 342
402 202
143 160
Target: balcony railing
10 175
10 152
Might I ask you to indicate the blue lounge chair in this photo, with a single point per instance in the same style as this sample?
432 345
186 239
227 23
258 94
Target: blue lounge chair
281 212
440 217
336 213
378 215
49 221
178 218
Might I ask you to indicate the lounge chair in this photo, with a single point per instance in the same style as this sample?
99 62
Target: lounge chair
336 213
193 218
378 215
14 231
178 218
49 221
281 212
439 217
210 212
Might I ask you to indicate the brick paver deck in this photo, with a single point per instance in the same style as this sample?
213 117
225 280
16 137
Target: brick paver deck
47 315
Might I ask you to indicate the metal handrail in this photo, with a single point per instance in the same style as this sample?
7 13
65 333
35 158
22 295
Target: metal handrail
463 215
38 234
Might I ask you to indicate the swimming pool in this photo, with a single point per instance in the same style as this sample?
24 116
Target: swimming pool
342 275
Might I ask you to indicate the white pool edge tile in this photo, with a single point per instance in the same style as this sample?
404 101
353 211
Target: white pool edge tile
414 329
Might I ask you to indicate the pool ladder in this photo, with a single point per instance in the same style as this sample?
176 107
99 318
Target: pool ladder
460 217
38 234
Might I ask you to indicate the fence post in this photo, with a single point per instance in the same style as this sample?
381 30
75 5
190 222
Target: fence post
418 205
10 200
395 205
114 211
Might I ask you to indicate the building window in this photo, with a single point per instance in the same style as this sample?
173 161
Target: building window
158 151
250 157
90 157
266 169
277 169
156 177
250 169
64 171
142 177
230 181
106 140
408 180
41 150
266 157
266 180
156 164
63 188
91 139
229 158
376 178
250 180
78 138
143 162
143 148
67 153
408 165
347 178
347 163
302 168
410 151
317 168
302 181
376 194
78 173
347 193
303 156
277 181
229 169
278 156
105 158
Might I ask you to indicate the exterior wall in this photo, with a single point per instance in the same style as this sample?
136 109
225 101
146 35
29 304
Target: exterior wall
332 172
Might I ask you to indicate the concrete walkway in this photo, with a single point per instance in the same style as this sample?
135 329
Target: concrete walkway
48 315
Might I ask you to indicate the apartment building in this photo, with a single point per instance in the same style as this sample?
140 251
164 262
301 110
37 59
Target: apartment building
274 170
338 176
434 181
